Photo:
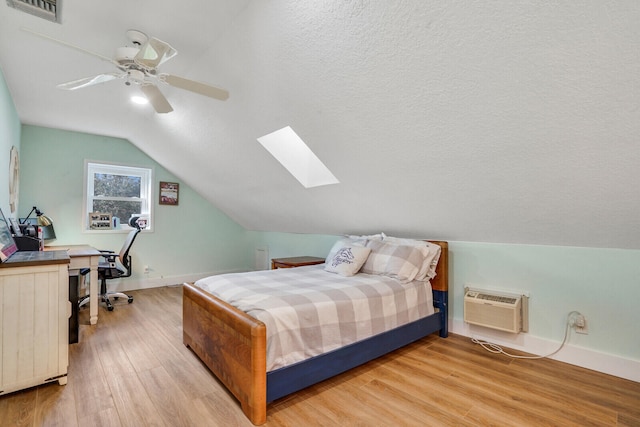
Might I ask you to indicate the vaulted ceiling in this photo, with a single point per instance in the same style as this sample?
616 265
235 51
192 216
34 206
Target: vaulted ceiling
501 121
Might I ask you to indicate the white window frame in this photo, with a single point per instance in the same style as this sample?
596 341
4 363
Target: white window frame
146 189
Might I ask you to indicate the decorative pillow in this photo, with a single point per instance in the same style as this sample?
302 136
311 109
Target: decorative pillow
347 260
401 262
431 253
342 243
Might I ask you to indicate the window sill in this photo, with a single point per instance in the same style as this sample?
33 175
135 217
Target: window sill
114 231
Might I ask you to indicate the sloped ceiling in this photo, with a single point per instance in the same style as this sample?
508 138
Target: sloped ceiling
500 121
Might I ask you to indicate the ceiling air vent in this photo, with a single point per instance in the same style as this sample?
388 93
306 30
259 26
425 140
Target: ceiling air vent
46 9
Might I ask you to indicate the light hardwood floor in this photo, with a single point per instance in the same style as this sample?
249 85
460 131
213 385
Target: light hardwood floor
133 370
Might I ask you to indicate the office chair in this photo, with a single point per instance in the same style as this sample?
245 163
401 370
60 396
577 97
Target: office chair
114 266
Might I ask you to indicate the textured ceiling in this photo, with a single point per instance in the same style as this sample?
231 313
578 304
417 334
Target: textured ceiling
514 122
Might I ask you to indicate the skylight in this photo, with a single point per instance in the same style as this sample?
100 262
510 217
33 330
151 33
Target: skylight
291 151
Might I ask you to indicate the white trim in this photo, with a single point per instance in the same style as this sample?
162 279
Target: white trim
130 284
147 187
586 358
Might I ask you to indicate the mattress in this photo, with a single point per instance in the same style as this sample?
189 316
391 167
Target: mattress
308 311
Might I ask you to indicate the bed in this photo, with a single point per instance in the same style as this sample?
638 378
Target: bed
233 345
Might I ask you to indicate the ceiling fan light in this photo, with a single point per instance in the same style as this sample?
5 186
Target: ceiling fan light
140 100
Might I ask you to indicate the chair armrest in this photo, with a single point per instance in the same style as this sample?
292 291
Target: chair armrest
110 256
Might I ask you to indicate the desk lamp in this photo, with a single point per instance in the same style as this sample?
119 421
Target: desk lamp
45 222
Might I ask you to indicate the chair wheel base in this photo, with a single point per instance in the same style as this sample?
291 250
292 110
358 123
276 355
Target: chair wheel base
106 299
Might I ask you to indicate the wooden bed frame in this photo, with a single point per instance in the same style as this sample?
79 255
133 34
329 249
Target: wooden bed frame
233 345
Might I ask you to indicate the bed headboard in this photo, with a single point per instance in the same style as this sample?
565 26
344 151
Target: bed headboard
441 281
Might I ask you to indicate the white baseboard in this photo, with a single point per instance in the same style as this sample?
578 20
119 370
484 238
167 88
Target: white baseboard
572 354
133 283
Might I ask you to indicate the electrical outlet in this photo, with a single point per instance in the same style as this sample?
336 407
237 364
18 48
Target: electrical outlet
146 269
581 324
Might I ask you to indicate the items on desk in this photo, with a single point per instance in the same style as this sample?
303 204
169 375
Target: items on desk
48 233
28 237
7 244
28 243
29 234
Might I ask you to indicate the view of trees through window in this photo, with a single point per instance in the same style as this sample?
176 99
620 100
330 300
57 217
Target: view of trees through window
113 194
118 190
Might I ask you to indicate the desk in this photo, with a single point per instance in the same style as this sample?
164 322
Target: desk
84 256
35 307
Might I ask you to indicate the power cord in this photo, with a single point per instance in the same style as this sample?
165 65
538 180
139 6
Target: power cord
495 348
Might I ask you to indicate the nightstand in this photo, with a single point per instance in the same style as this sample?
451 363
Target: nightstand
296 261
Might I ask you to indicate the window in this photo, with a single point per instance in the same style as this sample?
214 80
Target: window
119 191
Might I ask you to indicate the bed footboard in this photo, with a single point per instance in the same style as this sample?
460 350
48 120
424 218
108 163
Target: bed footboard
232 344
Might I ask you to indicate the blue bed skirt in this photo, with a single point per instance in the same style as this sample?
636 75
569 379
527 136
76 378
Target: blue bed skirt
292 378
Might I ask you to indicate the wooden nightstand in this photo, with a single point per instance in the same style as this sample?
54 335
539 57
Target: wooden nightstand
296 261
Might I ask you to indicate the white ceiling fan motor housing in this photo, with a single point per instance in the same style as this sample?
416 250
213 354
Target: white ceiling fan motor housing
125 55
135 76
138 38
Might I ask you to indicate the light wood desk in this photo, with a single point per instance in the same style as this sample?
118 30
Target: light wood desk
84 256
35 307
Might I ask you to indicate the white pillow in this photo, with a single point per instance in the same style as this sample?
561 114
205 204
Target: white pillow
342 243
401 262
347 260
365 237
430 251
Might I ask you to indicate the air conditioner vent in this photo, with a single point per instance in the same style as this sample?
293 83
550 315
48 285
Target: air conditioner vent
46 9
505 312
497 298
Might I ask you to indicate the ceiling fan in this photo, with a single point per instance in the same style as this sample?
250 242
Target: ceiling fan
138 64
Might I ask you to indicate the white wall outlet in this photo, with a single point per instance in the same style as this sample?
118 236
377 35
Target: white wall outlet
580 324
146 269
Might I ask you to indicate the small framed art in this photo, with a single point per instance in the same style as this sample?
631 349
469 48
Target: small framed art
169 192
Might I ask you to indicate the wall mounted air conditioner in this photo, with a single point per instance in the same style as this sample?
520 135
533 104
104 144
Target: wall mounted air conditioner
497 310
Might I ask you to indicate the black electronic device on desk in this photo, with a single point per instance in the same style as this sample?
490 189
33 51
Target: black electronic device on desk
28 243
28 237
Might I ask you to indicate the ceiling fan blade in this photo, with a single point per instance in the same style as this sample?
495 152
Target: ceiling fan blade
197 87
88 81
44 36
156 98
155 52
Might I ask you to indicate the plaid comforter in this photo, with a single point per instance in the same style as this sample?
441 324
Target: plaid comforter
309 311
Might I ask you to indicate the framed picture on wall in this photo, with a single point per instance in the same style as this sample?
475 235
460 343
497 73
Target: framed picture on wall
169 192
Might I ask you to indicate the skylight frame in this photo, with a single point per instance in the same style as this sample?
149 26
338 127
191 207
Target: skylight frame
297 158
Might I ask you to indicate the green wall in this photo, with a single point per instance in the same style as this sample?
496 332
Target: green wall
281 245
188 240
195 239
9 136
603 284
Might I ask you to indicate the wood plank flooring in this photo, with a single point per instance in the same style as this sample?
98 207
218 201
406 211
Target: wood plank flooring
133 370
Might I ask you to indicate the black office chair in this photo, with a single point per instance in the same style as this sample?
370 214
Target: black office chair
114 266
